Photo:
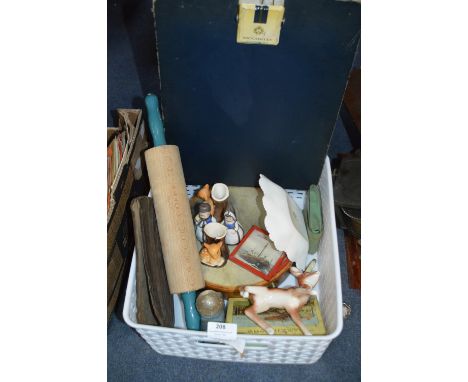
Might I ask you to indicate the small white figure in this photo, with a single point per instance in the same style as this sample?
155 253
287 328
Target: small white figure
235 232
202 219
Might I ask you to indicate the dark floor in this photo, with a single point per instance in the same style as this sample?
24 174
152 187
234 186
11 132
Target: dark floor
131 55
131 74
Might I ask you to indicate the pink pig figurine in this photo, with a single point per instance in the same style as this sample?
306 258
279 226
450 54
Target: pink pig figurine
291 299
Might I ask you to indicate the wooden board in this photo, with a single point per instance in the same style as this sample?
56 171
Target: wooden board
353 261
154 301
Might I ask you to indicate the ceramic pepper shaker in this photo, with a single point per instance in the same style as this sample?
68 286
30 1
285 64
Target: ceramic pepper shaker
235 232
202 219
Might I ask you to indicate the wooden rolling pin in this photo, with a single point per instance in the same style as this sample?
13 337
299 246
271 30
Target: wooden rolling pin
171 204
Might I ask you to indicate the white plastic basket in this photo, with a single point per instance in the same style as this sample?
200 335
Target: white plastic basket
259 348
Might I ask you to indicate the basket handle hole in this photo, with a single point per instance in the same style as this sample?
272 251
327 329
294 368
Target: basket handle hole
257 346
205 343
253 346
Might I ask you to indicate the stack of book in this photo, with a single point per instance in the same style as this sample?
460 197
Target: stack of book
126 179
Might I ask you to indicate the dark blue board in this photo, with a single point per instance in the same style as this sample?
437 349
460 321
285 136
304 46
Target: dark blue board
237 110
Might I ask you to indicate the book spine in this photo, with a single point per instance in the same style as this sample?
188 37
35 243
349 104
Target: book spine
120 148
109 166
115 157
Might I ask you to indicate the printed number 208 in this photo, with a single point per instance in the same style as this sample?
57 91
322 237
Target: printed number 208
220 326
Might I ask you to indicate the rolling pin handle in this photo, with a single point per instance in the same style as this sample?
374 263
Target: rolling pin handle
154 120
192 318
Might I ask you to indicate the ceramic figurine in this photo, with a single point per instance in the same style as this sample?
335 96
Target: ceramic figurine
210 254
214 251
202 219
235 232
290 299
204 194
220 195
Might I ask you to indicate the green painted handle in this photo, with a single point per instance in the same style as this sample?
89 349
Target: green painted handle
154 120
192 318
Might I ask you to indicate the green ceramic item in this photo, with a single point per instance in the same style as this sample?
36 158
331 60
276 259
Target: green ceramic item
313 217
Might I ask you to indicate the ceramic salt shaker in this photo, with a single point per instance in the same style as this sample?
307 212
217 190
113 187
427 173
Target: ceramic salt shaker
202 219
235 232
210 305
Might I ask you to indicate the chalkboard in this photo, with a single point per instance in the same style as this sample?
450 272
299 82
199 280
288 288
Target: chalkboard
238 110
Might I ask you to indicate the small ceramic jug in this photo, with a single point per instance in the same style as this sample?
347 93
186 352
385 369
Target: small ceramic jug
202 219
214 252
235 232
220 195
